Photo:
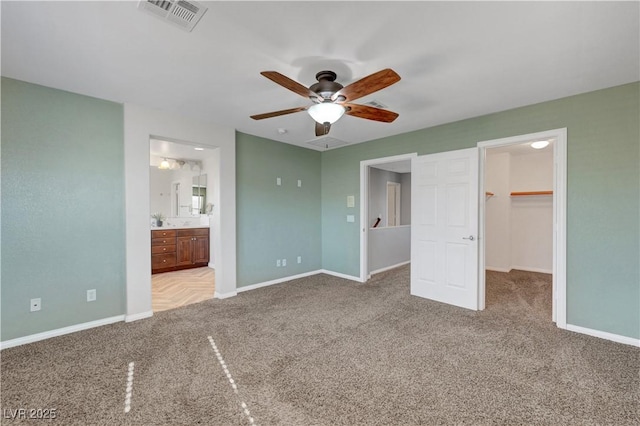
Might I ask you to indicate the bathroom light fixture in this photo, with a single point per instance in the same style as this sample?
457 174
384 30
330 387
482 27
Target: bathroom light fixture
539 144
326 112
164 165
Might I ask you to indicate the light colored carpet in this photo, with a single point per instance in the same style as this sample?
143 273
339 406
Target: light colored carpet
325 351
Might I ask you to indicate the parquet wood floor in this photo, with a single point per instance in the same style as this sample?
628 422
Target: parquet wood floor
171 290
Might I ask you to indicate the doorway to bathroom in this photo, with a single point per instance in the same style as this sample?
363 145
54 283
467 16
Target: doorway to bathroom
181 189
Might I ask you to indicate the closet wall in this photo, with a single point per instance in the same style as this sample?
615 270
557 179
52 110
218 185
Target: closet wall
519 229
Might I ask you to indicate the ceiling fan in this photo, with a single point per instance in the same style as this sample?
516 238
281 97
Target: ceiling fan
331 100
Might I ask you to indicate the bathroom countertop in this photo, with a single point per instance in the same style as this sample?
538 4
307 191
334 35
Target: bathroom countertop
160 228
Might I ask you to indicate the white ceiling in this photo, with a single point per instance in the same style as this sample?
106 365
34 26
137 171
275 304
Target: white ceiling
456 59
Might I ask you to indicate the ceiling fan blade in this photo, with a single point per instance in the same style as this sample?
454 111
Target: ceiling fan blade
370 113
322 129
292 85
367 85
277 113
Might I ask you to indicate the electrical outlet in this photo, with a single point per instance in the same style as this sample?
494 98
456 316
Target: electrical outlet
36 304
299 259
91 295
278 263
299 183
278 181
284 262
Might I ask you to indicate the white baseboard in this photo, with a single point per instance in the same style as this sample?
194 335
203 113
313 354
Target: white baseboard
59 332
340 275
276 281
528 269
388 268
604 335
217 295
138 316
303 275
211 265
491 268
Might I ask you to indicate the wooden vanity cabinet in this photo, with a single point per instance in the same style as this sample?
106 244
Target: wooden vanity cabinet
192 247
175 249
163 250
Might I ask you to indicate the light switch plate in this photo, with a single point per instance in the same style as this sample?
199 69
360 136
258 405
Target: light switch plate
351 201
351 218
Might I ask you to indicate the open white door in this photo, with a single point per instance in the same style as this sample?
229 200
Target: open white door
444 227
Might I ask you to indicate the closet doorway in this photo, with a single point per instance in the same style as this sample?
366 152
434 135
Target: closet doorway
522 215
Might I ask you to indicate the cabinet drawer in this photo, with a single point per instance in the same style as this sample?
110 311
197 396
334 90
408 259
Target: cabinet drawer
163 260
169 248
163 233
194 232
162 241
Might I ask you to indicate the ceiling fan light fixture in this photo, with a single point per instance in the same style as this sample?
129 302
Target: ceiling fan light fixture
326 112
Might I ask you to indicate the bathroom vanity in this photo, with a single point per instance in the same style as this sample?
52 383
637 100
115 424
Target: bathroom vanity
179 248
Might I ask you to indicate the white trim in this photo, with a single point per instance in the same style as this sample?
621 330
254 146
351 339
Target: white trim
604 335
138 316
491 268
559 309
217 295
519 268
340 275
387 268
276 281
529 269
364 211
59 332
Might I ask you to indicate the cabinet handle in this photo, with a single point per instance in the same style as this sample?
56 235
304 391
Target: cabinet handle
164 261
164 249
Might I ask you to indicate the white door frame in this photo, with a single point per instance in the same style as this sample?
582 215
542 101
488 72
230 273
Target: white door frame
396 202
559 216
364 207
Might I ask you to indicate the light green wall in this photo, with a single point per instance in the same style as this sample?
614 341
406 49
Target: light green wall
62 208
276 222
603 235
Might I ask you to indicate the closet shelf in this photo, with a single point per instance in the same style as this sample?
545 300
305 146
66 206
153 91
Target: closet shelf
529 193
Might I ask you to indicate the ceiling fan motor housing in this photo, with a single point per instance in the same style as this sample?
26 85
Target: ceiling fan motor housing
326 85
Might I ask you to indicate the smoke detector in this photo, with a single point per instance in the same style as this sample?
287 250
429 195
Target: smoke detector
327 142
182 13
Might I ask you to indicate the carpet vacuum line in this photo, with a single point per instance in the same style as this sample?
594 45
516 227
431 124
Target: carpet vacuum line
129 389
234 386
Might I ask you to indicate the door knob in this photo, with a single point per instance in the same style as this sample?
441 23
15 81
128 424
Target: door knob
470 238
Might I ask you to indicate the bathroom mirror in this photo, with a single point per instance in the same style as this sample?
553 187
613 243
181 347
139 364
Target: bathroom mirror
178 178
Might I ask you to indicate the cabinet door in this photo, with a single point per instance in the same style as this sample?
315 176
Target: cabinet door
201 250
184 251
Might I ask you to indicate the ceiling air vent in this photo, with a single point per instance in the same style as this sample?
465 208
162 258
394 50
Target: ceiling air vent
184 14
376 104
327 142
